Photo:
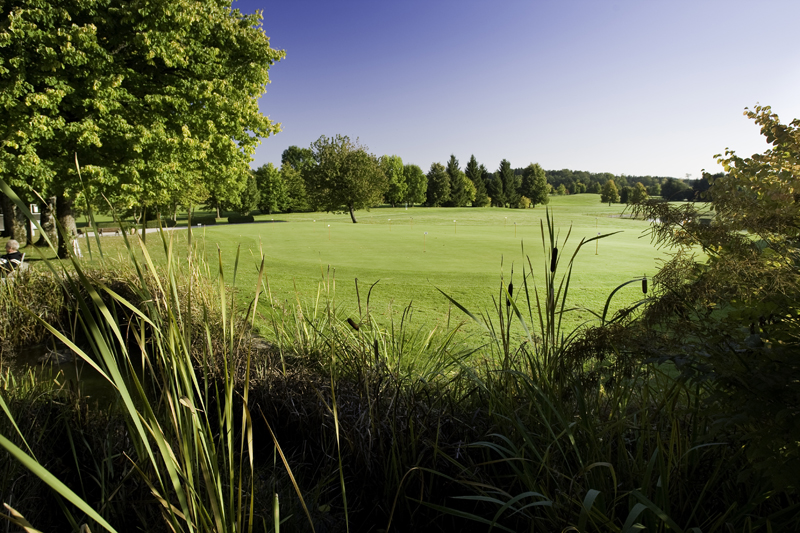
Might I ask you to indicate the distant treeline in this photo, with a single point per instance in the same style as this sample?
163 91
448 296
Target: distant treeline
295 186
580 181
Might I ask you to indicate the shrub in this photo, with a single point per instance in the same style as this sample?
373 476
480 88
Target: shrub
524 202
204 221
241 219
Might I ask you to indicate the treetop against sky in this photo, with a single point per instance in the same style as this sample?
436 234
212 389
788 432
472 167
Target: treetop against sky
628 87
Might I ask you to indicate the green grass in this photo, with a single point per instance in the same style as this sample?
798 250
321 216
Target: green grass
465 259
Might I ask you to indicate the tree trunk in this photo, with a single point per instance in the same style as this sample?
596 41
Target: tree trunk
48 221
352 214
66 218
8 214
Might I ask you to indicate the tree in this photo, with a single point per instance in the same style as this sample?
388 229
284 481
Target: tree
158 99
458 187
638 194
654 190
610 194
475 174
534 184
297 157
510 185
345 178
274 198
494 188
417 184
674 190
392 166
438 185
297 200
248 199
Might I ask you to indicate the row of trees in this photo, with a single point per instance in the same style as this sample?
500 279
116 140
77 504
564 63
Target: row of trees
158 100
339 175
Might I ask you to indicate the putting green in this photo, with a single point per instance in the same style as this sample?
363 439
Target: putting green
412 252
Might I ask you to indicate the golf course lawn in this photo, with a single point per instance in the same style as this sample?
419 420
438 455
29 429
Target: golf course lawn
412 252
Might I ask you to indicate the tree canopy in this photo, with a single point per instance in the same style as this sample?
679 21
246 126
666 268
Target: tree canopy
417 184
345 178
392 166
610 194
438 185
157 99
534 184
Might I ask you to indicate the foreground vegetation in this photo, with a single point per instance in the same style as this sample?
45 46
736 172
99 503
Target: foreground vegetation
337 428
410 253
679 412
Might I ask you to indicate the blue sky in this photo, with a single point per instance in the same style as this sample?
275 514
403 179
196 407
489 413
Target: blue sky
628 87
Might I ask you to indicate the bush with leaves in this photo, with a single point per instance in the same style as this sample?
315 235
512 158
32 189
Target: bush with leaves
732 320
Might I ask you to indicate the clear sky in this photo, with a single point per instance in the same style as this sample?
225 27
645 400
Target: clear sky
629 87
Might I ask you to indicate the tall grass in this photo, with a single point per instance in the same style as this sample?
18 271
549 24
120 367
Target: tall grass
335 422
190 431
585 436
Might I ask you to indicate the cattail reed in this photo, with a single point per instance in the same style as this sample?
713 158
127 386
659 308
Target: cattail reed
644 284
554 260
352 324
510 293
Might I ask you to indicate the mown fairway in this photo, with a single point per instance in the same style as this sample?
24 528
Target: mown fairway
464 258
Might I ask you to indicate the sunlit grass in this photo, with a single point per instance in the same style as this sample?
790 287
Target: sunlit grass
411 252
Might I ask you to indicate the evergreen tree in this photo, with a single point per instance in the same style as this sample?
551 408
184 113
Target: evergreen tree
438 185
494 187
458 190
510 185
475 173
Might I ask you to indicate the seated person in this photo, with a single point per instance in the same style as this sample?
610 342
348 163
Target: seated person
13 259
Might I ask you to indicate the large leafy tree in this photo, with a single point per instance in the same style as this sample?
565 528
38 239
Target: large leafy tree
273 197
298 158
158 99
417 184
609 194
345 178
392 166
534 184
